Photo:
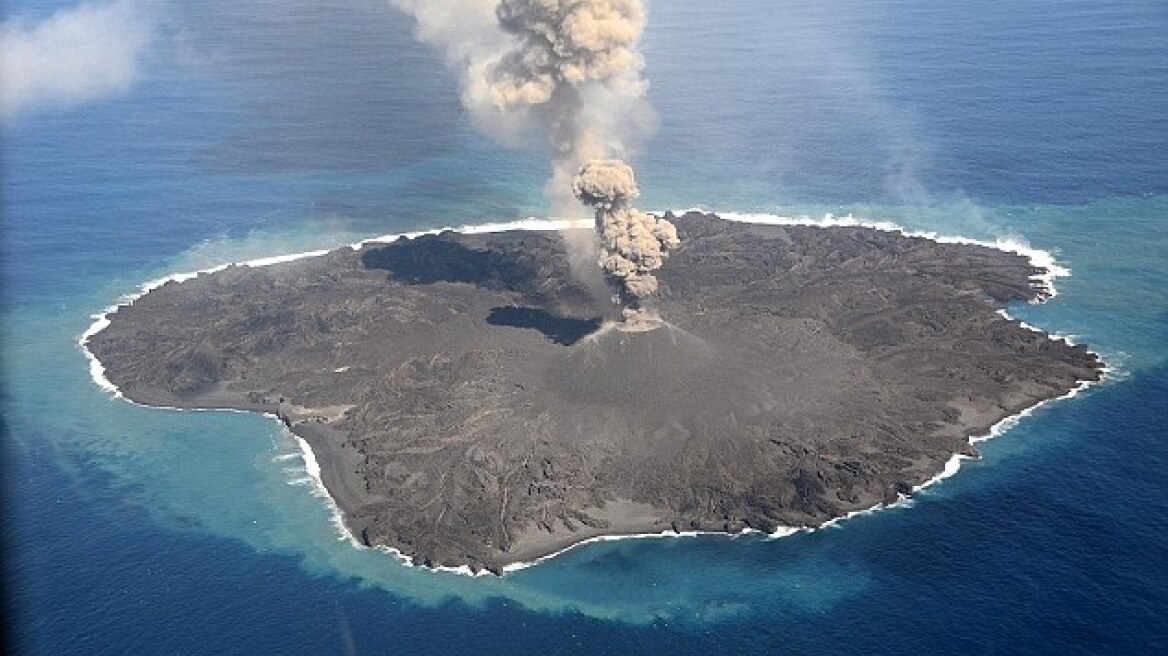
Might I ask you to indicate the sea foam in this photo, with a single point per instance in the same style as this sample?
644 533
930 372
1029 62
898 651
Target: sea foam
1038 258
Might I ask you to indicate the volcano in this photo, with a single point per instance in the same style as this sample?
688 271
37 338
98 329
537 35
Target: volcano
471 404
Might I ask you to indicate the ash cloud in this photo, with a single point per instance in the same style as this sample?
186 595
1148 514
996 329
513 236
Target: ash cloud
634 243
563 76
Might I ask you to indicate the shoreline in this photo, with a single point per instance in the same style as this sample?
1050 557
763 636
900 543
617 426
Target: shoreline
1036 257
1042 282
952 467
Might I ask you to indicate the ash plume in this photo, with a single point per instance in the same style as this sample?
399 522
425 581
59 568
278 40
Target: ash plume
563 76
634 243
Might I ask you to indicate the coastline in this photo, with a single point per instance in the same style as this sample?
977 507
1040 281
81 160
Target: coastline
1042 282
1037 258
952 467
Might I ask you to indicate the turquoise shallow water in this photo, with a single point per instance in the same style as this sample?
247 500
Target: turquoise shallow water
132 530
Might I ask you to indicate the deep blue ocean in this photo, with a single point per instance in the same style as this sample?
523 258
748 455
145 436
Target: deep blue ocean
257 128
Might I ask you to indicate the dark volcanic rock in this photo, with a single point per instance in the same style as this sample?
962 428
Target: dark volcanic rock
468 405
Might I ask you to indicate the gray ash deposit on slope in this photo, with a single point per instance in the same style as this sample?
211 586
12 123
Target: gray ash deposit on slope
468 405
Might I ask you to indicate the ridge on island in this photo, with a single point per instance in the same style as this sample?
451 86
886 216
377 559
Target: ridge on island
469 407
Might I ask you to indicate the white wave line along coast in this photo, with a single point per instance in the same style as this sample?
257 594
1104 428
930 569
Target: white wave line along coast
1044 282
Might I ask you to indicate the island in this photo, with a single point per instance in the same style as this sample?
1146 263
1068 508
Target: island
470 406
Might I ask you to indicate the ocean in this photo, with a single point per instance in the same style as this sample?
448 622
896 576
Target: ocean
255 128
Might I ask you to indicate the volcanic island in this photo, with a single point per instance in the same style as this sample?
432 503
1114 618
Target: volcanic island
469 405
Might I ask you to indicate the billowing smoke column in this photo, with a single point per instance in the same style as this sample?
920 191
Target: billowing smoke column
566 72
634 243
565 43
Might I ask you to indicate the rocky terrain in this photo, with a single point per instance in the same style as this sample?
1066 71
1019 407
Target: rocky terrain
472 404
